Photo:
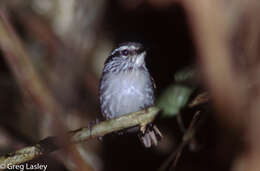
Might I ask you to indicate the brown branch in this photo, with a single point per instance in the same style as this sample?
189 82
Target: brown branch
186 139
32 86
23 69
50 144
200 99
215 56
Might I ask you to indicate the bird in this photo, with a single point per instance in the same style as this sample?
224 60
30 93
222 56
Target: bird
126 85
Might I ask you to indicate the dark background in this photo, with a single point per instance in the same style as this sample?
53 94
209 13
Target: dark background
166 34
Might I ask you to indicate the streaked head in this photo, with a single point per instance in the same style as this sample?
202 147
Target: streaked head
130 54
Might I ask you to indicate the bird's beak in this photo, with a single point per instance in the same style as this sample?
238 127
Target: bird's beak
140 59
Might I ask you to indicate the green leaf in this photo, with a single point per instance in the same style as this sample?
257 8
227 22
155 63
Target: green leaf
174 98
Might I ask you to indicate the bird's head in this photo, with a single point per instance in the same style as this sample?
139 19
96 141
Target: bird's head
127 56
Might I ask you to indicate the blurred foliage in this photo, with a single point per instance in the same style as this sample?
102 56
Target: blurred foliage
187 74
176 96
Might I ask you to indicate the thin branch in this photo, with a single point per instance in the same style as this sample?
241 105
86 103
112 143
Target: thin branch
50 144
32 86
215 37
20 64
200 99
187 137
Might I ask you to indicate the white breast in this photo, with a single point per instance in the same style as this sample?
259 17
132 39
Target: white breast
127 92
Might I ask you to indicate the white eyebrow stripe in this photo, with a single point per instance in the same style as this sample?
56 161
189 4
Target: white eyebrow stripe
119 49
132 47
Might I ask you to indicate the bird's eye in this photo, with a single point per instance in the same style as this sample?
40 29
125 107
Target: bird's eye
125 52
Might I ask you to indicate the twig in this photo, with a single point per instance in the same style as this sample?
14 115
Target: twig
32 86
200 99
214 37
180 123
23 69
193 142
51 144
187 137
24 72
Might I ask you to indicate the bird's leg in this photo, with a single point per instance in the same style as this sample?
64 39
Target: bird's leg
150 136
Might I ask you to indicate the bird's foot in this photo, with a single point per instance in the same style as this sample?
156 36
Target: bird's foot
151 136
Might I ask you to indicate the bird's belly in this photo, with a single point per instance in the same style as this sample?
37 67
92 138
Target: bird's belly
125 93
127 99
